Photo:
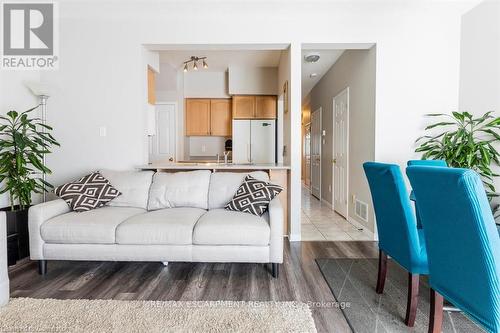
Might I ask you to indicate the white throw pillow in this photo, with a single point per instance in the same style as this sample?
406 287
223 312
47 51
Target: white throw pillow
223 186
134 186
179 189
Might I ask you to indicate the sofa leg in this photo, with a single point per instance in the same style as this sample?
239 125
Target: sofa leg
275 269
42 267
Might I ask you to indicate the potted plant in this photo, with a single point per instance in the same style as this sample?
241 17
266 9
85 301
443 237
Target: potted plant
23 142
464 141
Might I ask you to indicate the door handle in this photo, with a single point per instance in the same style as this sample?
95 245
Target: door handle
334 161
171 159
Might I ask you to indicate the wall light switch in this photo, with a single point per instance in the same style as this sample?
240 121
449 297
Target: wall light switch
102 131
204 148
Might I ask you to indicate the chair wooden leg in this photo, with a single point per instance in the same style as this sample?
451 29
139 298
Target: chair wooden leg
412 301
382 271
436 313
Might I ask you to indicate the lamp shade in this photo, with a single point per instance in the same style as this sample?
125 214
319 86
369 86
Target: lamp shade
38 88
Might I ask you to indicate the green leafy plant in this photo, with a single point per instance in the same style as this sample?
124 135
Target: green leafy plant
464 141
23 141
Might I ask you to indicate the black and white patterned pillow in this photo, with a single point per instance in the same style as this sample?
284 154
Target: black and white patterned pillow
253 196
90 192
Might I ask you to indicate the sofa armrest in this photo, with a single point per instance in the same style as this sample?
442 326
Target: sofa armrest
276 220
37 215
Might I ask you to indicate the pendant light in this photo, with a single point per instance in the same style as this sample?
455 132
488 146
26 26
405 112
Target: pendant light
195 60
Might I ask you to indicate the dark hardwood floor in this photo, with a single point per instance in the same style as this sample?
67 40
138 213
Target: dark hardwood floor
300 279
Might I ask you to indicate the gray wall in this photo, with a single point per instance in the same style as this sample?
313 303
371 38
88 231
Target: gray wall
354 69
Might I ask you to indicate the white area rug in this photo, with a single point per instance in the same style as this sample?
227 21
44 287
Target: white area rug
50 315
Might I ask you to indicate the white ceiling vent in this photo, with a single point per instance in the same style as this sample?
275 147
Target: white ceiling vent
312 57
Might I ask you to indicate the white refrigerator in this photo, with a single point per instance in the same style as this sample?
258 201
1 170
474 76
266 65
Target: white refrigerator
254 141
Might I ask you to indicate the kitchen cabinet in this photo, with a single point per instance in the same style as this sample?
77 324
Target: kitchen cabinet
197 116
265 107
243 107
220 117
254 107
208 117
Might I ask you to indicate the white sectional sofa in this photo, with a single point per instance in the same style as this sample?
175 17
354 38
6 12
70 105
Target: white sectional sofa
160 217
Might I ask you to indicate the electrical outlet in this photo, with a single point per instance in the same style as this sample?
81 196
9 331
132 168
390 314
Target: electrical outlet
102 131
330 188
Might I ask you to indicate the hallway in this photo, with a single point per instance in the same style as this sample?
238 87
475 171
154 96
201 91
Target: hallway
321 223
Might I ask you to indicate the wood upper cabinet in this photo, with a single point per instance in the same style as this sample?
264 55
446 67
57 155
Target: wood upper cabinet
243 107
265 107
151 86
208 117
220 117
197 116
254 107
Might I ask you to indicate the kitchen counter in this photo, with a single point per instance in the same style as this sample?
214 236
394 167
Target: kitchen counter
211 166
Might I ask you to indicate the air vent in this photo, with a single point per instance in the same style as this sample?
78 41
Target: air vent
361 210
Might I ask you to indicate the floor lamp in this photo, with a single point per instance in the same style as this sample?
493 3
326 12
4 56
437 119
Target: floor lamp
42 91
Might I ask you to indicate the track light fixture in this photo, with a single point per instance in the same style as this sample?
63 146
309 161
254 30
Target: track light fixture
195 60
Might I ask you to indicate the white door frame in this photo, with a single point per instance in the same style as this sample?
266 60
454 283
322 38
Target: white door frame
176 110
347 150
320 110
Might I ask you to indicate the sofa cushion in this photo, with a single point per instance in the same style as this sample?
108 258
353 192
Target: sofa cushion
223 227
179 189
171 226
89 192
223 186
96 226
134 186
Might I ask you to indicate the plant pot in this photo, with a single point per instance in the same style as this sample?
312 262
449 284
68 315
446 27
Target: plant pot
17 234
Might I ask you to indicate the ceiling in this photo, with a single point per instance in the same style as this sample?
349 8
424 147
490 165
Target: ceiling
221 59
326 61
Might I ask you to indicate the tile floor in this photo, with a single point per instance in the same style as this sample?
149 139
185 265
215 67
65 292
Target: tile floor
321 223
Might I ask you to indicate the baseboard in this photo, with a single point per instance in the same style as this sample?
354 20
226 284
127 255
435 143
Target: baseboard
294 238
327 203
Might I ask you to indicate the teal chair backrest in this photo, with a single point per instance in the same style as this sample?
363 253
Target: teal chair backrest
441 163
396 223
463 245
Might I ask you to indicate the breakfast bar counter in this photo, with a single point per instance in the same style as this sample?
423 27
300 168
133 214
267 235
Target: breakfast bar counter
211 166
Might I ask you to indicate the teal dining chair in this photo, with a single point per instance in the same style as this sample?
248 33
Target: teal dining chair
397 230
462 242
441 163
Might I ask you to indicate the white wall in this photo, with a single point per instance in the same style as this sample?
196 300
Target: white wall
480 62
100 68
15 96
354 69
253 80
203 84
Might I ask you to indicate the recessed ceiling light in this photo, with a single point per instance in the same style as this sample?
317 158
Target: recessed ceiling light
313 75
312 57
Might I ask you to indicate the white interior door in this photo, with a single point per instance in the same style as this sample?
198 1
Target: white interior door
262 143
163 145
316 153
341 152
